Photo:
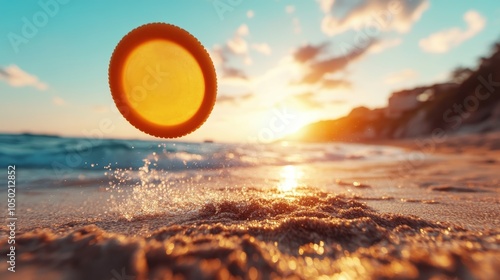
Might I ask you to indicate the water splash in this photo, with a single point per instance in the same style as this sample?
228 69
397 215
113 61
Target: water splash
149 191
152 192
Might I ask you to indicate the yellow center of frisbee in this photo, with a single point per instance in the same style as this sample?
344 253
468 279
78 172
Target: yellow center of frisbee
163 82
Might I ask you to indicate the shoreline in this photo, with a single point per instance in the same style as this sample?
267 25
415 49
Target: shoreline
467 143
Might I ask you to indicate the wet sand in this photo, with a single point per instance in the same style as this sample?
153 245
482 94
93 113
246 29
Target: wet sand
432 214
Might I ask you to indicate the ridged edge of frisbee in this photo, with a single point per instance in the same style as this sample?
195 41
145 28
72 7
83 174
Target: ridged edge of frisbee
212 68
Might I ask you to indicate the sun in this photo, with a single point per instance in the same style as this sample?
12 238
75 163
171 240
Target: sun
298 119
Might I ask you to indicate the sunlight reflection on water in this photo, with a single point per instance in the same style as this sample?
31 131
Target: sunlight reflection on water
290 176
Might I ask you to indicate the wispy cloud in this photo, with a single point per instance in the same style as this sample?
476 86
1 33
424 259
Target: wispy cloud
16 77
309 52
445 40
231 72
335 83
250 14
233 98
100 109
58 101
236 46
262 48
297 27
220 56
307 99
318 69
401 76
342 15
382 45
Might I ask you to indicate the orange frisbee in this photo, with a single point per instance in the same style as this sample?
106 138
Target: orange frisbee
162 80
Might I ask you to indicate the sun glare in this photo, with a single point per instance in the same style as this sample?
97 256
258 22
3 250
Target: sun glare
290 176
299 120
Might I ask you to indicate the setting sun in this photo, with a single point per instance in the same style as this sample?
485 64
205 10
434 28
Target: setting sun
288 120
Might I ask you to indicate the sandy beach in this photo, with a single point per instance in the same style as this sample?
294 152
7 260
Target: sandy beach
426 215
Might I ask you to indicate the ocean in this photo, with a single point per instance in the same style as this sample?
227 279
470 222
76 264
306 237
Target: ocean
73 161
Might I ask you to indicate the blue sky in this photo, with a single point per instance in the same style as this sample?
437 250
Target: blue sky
53 78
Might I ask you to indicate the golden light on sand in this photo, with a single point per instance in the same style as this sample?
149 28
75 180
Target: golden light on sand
290 176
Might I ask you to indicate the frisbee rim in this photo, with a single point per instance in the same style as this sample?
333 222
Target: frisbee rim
175 34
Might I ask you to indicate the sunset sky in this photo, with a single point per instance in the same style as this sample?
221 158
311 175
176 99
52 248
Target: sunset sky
280 64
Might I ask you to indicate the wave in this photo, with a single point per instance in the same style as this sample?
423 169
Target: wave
53 152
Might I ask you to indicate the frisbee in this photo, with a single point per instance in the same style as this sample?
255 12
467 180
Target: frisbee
162 80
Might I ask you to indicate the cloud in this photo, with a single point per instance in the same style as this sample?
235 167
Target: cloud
297 27
100 109
309 52
262 48
220 56
231 72
225 98
338 102
318 69
250 14
58 101
401 76
16 77
382 45
247 60
243 30
236 46
335 83
326 5
443 41
342 15
307 99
